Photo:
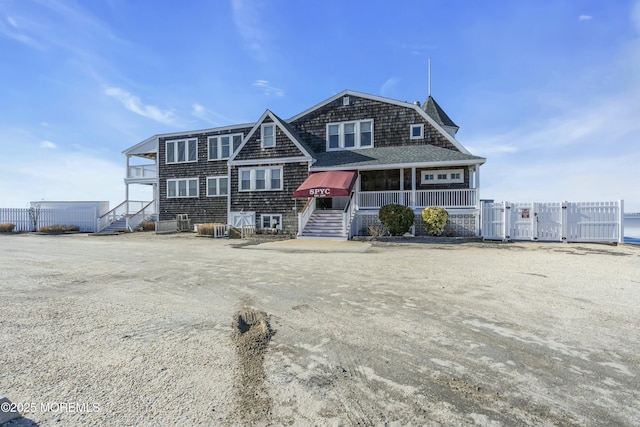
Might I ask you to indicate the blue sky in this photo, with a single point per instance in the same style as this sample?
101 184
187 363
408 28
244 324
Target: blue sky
547 91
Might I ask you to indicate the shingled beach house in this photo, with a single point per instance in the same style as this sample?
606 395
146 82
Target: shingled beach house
323 173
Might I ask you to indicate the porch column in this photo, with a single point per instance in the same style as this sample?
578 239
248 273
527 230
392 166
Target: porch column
413 187
401 198
477 183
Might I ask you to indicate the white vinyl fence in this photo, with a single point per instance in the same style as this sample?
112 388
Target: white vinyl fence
561 222
85 219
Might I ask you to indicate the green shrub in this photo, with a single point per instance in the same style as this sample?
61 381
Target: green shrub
396 218
58 228
434 220
7 227
148 225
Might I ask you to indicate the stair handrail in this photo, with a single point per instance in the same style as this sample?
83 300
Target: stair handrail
347 216
135 220
118 212
307 211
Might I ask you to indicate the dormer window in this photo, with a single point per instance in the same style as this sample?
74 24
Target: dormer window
268 135
416 131
350 135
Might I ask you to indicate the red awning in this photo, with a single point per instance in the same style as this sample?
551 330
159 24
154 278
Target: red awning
327 184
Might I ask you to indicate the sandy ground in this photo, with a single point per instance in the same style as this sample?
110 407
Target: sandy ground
143 329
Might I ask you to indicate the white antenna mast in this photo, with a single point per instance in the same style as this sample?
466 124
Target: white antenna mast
429 75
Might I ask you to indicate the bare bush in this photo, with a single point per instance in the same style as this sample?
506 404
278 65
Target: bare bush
7 227
59 228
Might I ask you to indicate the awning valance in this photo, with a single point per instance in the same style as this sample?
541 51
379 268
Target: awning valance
327 184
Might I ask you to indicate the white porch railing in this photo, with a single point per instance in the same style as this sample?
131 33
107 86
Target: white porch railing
347 217
460 198
457 198
125 208
146 213
377 199
142 171
307 211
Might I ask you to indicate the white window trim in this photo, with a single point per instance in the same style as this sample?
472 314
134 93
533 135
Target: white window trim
341 125
177 196
271 216
437 180
412 127
267 178
219 146
175 150
262 127
217 181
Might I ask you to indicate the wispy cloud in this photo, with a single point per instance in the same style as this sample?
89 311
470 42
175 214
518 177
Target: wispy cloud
48 144
267 88
134 104
585 18
635 15
389 86
417 49
209 116
248 19
584 154
13 28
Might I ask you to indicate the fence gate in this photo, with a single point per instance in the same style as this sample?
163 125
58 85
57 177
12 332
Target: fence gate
559 222
548 225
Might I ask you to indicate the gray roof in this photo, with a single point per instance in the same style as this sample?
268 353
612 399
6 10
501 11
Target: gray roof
384 156
434 111
294 134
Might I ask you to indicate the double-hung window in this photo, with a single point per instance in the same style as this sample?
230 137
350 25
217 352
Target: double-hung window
182 151
221 146
184 187
268 135
350 135
261 179
271 221
217 186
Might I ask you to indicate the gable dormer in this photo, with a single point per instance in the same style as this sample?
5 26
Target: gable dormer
271 138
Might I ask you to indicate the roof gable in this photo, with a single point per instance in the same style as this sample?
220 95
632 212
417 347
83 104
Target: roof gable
438 126
252 139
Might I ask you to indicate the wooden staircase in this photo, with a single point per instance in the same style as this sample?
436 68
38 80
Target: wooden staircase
324 224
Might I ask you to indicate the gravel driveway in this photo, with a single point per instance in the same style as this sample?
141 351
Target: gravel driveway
143 329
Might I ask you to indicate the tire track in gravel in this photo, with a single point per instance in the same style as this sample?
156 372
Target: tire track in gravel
251 335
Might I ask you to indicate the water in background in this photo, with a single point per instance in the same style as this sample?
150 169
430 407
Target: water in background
632 229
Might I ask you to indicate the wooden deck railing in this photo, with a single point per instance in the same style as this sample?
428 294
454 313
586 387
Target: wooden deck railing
457 198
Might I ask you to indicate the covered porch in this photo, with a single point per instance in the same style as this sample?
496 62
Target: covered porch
462 198
418 187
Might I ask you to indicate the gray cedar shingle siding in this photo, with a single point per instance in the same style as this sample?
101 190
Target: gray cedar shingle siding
391 123
284 146
202 209
273 202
